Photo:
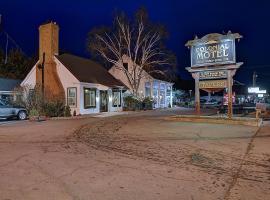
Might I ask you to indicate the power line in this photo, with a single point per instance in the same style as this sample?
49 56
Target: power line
8 37
13 41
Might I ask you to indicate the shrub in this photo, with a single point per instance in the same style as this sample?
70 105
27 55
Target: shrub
67 112
147 103
33 113
32 100
54 109
132 103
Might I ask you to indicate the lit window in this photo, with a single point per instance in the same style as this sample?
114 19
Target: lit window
89 98
71 96
148 89
116 101
169 88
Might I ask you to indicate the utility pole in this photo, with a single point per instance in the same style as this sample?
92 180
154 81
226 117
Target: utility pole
6 48
254 78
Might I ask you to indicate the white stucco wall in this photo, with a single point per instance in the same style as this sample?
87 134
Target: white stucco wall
120 74
68 80
30 80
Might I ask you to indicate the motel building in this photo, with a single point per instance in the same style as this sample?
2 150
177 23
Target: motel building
86 85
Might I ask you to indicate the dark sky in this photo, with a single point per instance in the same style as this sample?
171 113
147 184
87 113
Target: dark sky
183 19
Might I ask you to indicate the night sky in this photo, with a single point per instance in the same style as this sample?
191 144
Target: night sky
183 19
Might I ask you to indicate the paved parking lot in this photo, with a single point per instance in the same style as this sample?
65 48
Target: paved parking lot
140 156
9 122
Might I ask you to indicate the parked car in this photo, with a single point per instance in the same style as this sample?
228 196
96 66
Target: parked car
9 111
211 103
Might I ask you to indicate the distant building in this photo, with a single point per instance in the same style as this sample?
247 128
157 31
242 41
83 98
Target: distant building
7 87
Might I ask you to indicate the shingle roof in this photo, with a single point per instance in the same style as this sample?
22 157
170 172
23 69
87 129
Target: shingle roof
7 84
88 71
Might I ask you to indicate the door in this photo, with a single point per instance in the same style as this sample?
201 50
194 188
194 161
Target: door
5 110
103 100
2 111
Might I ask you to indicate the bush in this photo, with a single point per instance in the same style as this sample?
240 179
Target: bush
67 112
132 103
33 113
54 109
147 103
32 100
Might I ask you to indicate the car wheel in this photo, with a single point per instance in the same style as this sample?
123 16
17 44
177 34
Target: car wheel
22 115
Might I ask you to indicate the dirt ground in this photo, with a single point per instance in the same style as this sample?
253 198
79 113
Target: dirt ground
136 156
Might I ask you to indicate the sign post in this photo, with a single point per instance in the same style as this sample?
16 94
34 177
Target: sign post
230 105
197 93
213 65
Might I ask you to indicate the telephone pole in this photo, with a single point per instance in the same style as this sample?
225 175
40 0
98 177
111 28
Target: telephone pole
6 48
254 78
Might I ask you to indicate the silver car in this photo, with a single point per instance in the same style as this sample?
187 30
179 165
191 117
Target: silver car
8 111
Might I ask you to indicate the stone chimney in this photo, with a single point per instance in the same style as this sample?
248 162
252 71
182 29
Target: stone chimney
48 44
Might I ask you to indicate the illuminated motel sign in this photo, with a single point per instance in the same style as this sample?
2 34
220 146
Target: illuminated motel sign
212 53
213 64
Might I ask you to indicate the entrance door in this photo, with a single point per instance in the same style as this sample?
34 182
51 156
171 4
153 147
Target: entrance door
103 101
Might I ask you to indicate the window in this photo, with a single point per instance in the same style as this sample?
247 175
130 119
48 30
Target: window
89 97
148 89
116 101
71 96
7 97
125 65
162 97
169 88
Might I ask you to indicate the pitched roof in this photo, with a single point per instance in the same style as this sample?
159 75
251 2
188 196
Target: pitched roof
7 84
88 71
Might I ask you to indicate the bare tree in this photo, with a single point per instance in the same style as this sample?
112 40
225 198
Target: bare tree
139 40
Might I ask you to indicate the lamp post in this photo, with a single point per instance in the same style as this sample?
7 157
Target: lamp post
190 93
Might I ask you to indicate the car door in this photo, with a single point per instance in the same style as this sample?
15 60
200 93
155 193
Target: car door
5 110
2 109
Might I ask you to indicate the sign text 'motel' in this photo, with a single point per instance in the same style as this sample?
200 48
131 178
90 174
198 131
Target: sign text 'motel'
213 53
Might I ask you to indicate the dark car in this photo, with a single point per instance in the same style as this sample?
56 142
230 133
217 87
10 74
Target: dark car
9 111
